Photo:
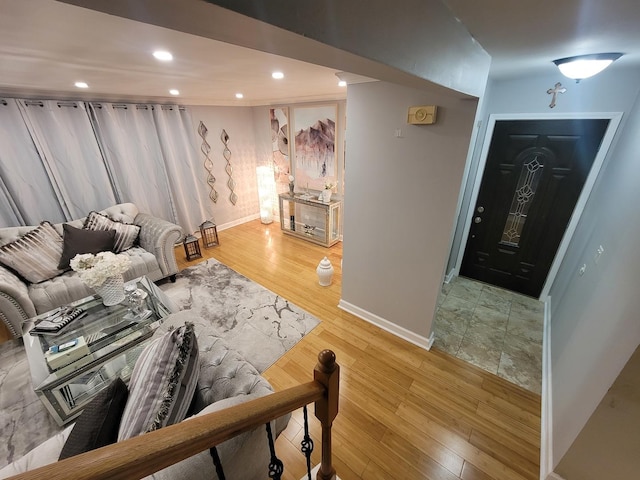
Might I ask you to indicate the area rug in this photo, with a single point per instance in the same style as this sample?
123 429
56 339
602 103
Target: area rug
256 322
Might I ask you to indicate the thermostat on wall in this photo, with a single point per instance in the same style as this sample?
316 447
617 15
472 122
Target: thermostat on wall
424 115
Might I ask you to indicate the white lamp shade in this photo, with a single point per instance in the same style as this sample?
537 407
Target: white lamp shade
585 66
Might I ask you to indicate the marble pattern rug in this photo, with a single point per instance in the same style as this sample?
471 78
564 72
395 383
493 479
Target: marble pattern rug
256 322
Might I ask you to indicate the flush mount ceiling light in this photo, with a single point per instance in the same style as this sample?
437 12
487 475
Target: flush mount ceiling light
239 95
585 66
81 85
163 55
174 91
277 75
342 83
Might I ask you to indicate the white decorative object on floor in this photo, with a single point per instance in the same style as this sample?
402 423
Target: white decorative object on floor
111 291
325 272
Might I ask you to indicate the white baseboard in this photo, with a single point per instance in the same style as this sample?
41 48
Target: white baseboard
239 221
546 419
450 276
554 476
397 330
314 472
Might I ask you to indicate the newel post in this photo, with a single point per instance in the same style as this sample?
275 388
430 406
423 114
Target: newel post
327 372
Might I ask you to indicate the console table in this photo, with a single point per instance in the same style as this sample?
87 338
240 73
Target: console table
310 219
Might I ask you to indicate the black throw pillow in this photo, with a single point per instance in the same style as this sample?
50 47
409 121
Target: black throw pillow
97 425
78 240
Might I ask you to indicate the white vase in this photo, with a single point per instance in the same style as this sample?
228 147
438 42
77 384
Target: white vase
325 272
326 195
112 290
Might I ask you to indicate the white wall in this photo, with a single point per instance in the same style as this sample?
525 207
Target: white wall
594 317
238 123
400 202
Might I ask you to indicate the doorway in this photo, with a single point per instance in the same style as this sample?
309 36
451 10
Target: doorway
534 174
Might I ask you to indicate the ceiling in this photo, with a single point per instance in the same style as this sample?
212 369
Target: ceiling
46 46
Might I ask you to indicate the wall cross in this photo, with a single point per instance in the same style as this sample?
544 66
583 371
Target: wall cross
558 88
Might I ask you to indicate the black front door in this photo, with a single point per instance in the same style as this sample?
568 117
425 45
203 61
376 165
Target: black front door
533 177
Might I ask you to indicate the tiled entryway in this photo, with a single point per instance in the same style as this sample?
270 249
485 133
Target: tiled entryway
495 329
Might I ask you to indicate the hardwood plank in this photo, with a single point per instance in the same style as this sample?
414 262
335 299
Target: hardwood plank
405 413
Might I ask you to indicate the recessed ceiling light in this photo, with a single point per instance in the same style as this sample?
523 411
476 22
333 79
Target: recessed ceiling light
239 95
81 85
173 91
277 75
342 83
163 55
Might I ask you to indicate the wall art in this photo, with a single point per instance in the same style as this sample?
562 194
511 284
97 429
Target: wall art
279 118
315 156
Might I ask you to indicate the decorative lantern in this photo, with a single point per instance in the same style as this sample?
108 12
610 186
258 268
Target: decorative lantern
209 234
192 247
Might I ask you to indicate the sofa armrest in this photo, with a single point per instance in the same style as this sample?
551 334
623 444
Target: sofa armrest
159 237
15 304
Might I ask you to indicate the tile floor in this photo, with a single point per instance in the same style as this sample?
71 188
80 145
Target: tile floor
495 329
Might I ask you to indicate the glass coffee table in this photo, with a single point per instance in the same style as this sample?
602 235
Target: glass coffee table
102 344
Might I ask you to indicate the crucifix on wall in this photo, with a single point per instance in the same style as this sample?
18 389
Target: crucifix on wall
558 88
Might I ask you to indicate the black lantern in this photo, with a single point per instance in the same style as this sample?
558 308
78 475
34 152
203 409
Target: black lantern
192 247
209 234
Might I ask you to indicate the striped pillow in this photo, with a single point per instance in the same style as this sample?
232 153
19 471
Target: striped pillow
126 234
162 383
35 256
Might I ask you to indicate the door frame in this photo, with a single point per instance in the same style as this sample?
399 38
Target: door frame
614 121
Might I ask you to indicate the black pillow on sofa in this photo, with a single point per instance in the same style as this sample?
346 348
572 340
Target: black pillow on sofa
97 425
78 240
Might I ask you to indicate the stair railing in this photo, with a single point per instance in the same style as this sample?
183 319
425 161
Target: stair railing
145 454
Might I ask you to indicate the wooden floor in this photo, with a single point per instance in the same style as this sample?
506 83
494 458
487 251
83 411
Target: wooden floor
405 413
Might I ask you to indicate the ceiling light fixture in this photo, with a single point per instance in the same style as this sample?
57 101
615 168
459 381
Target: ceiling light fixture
585 66
163 55
173 91
239 95
81 85
277 75
342 83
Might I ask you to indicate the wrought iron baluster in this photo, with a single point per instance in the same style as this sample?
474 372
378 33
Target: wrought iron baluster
276 466
216 461
307 442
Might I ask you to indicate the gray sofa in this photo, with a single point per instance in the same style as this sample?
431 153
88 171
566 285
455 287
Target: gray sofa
153 257
225 380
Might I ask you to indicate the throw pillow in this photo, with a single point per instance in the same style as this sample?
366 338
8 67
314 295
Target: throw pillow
97 425
35 256
78 240
126 234
162 383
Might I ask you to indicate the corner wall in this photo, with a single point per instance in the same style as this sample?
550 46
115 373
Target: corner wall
400 202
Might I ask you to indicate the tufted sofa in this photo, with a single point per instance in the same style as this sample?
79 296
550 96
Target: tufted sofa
225 380
153 256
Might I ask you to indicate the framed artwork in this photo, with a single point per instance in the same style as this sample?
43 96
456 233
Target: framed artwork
314 147
280 144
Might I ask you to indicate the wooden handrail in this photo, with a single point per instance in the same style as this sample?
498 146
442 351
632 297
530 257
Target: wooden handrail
145 454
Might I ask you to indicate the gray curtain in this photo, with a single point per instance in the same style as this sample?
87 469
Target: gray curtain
131 148
61 159
27 196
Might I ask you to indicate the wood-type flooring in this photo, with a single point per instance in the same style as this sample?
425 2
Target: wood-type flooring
405 413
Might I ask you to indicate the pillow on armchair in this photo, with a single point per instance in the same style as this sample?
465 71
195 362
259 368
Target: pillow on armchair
162 383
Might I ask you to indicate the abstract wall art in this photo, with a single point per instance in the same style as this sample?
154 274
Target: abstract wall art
315 156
